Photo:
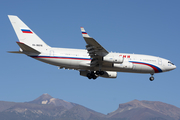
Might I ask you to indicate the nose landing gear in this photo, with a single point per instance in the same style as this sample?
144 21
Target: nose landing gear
151 78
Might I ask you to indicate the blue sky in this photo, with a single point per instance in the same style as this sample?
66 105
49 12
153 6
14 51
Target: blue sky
142 27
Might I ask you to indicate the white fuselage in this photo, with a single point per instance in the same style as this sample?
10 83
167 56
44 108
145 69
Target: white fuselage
79 59
93 62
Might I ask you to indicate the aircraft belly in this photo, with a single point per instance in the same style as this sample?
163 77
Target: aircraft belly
56 62
146 69
76 64
143 68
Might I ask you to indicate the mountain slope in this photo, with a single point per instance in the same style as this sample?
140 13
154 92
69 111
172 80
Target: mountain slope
81 113
46 107
6 105
145 109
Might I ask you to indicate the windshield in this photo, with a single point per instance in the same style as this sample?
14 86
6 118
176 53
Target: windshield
170 62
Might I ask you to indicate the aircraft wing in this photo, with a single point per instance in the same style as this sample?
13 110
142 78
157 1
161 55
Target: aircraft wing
95 50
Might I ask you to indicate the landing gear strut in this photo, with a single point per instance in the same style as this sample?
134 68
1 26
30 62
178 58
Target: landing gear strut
151 78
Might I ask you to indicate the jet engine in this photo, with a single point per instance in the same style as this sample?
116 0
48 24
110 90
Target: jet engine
126 65
109 74
113 59
84 72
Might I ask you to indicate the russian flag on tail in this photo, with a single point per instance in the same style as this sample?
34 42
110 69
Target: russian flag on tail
26 31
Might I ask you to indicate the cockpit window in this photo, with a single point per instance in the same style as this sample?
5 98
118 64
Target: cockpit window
170 62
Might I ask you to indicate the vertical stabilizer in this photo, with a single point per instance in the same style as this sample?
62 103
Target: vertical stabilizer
26 35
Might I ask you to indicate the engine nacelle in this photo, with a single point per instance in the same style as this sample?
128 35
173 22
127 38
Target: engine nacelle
126 65
84 72
109 74
113 59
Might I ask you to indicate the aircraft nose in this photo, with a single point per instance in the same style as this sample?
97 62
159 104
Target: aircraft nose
172 67
169 68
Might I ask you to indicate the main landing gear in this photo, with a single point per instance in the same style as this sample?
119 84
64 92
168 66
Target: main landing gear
94 74
151 78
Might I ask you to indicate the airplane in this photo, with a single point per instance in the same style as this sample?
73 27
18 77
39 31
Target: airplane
92 62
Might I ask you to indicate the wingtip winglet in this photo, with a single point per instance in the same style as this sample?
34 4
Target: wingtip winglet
84 33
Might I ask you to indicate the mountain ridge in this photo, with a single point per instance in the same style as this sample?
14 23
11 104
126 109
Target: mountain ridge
155 106
46 107
47 99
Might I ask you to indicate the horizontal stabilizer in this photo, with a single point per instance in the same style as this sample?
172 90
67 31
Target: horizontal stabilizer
26 48
19 52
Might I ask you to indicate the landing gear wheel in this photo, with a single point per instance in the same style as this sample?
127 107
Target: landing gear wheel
94 77
91 75
101 73
97 72
151 78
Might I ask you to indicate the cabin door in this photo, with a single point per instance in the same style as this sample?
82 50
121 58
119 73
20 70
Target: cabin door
51 53
159 61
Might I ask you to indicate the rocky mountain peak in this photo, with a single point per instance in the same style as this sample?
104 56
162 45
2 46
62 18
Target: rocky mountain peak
45 96
152 107
130 105
43 99
47 99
